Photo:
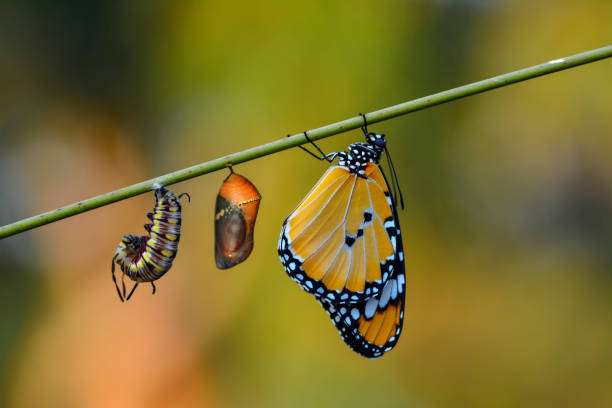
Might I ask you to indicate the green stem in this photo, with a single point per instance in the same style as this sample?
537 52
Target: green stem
299 139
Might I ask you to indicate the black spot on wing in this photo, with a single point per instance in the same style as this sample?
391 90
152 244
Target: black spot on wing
349 241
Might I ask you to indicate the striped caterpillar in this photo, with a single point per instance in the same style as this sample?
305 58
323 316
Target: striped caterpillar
148 257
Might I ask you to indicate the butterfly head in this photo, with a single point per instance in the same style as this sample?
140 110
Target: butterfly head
377 141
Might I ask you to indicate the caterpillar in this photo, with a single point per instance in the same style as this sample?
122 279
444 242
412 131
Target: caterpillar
147 258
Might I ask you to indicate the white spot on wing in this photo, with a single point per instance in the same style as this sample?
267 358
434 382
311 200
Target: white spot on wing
370 308
393 289
400 282
385 295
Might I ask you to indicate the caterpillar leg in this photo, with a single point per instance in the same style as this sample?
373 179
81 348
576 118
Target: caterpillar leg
123 284
132 291
153 284
185 194
115 279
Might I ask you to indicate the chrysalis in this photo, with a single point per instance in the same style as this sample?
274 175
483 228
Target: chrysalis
235 214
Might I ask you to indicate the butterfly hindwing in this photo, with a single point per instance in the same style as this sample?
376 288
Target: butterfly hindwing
372 327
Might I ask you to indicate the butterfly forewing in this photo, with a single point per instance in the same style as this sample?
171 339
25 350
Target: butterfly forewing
339 244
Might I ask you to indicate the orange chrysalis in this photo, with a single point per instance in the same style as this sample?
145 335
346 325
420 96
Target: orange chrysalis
235 213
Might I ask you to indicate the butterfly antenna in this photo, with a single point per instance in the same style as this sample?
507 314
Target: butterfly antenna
393 184
394 179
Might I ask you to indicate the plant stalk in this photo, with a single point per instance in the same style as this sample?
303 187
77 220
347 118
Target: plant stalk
299 139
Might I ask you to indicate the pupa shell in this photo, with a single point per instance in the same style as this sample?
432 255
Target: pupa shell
235 213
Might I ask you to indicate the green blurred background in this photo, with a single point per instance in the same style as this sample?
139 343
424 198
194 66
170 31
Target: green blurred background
507 227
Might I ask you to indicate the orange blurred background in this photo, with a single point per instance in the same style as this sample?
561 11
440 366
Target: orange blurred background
507 228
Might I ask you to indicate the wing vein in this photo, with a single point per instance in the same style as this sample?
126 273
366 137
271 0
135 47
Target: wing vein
314 198
350 250
344 225
319 213
374 234
382 222
323 243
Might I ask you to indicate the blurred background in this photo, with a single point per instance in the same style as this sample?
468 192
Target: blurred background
507 228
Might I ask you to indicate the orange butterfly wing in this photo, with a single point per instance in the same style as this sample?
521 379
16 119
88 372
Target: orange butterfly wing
372 327
343 245
339 243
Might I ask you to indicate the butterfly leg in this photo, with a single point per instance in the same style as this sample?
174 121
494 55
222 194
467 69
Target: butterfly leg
115 279
364 128
328 157
132 291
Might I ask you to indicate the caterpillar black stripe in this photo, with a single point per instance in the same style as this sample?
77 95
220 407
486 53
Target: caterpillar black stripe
148 257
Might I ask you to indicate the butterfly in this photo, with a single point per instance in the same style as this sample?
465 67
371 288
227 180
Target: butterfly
343 245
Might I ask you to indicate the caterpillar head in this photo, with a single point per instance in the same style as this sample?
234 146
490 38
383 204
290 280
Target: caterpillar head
129 247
